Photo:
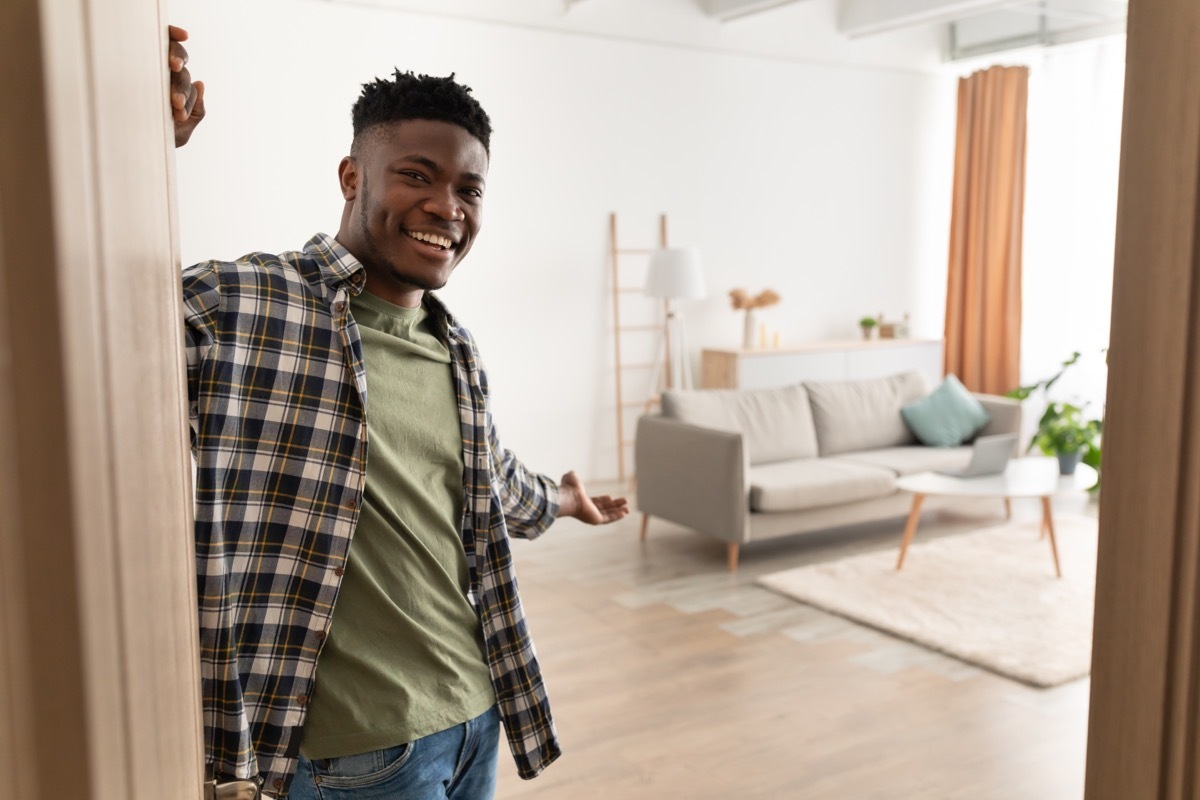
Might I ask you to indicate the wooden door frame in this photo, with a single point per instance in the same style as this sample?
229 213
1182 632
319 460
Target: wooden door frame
1142 737
99 678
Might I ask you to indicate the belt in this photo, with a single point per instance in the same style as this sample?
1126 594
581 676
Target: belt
234 790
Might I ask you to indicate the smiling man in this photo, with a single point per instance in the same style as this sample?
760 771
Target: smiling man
361 635
414 192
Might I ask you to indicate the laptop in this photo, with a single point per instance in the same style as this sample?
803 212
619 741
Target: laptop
989 456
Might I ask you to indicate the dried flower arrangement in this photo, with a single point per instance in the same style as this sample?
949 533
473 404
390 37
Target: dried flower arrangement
742 301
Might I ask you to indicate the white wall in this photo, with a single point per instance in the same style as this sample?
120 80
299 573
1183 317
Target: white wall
830 184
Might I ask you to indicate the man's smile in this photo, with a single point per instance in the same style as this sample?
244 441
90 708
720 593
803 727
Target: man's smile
435 240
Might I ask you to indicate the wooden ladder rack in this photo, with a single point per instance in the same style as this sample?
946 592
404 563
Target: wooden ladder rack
620 290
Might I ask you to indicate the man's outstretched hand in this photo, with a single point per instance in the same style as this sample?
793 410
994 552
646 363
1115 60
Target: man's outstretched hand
187 98
574 502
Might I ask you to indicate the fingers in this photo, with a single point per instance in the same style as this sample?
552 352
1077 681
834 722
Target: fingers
196 112
607 501
186 98
177 56
609 509
187 118
183 94
614 514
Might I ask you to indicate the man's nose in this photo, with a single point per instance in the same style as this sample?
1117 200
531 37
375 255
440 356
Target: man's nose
444 203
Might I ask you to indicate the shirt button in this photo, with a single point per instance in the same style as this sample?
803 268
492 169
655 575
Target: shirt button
320 636
339 571
339 306
278 783
351 504
302 699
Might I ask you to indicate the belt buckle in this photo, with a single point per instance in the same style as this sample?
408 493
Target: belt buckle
233 790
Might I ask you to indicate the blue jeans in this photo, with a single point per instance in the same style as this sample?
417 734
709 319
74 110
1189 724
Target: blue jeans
455 764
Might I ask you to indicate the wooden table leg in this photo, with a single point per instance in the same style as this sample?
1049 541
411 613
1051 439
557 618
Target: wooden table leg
645 525
1048 525
910 528
1008 508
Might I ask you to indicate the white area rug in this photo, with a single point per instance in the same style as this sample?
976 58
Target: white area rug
988 597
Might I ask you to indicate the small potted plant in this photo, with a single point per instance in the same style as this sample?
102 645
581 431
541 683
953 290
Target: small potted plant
868 326
1063 431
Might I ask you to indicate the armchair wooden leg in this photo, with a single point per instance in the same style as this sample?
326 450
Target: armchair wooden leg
645 526
731 554
1008 508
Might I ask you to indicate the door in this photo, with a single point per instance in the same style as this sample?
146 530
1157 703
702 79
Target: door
98 652
98 675
1143 739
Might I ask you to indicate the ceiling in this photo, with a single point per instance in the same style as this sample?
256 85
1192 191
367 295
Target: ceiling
911 34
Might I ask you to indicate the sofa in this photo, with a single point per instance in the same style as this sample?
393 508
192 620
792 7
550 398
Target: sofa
745 465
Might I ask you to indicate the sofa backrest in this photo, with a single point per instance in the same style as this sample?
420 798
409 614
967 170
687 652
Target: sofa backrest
776 424
863 414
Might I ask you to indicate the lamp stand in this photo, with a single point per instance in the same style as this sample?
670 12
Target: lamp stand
672 368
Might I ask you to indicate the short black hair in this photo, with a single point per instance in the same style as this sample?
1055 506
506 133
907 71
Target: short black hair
409 96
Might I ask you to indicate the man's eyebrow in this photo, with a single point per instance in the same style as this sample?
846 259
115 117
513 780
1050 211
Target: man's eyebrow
424 161
432 165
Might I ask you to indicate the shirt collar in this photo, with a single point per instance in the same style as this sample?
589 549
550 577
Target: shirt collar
437 309
336 264
339 267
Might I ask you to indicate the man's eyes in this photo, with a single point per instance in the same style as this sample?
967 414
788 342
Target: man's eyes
470 191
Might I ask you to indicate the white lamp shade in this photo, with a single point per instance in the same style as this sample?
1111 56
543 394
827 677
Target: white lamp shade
676 274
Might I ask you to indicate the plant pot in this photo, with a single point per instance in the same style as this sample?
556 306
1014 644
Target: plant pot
867 332
1067 462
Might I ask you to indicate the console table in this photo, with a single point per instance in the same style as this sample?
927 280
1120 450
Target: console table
820 361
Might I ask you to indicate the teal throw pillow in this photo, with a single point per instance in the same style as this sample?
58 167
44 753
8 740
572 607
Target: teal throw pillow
946 418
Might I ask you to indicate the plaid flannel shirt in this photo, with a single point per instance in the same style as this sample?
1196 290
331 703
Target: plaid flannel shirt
277 395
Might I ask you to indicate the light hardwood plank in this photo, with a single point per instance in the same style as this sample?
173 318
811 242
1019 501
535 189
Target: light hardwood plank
672 678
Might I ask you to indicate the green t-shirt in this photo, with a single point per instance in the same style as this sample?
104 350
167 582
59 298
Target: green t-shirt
404 657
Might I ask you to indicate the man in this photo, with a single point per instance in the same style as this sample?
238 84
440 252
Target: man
353 504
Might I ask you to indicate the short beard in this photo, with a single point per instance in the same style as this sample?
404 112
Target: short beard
374 255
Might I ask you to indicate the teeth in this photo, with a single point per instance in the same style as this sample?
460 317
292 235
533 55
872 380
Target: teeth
431 238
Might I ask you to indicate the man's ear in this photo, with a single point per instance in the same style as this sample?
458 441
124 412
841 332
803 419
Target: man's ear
348 177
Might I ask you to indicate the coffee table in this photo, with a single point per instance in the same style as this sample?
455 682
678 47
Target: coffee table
1024 477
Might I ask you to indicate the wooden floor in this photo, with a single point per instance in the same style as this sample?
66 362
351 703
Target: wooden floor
671 678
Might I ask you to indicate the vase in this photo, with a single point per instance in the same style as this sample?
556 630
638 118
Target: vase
1067 462
749 331
866 332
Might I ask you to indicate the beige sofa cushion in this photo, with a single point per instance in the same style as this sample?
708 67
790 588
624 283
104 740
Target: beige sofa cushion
865 414
776 424
815 482
910 460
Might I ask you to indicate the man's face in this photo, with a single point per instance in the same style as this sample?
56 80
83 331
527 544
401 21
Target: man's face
414 205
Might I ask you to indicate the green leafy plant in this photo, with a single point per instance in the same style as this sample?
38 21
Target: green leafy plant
1063 427
868 322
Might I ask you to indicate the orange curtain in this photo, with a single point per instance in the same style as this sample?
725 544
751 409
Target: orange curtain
983 295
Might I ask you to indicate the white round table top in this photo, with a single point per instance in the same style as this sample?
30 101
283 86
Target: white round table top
1024 477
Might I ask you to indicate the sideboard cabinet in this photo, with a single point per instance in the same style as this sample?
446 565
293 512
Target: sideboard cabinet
821 361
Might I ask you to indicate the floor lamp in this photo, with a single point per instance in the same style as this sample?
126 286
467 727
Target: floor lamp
674 274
